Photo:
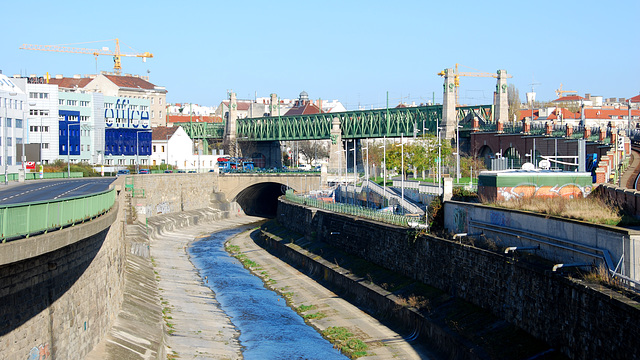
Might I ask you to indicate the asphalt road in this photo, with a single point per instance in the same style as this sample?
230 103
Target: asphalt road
44 190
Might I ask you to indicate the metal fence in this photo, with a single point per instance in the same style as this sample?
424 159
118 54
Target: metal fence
351 210
25 219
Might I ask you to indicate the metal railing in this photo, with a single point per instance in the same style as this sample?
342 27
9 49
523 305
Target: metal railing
351 210
25 219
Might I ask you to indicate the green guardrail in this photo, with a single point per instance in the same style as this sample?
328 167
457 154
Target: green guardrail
47 175
22 220
351 210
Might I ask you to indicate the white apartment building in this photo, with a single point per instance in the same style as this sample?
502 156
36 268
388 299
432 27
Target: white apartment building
13 109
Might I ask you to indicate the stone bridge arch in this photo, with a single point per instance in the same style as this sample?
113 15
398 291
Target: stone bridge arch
257 194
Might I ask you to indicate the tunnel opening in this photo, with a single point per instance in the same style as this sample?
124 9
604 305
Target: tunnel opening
261 199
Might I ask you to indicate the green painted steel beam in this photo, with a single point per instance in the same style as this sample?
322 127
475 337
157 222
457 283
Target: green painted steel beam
354 124
203 130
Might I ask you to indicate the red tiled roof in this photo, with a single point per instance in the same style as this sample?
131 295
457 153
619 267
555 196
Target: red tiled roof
528 113
607 114
130 82
566 114
569 98
304 110
161 132
196 118
243 105
70 83
635 99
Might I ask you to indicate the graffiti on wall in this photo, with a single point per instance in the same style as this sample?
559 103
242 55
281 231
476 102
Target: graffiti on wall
568 191
163 208
40 353
499 218
460 220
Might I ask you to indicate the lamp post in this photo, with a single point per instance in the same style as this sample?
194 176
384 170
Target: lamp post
68 152
137 151
458 153
384 168
402 170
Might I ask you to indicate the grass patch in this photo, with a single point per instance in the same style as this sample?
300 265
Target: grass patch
303 308
316 316
591 209
343 340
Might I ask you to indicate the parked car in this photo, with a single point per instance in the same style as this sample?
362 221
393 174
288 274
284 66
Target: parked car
168 171
123 172
143 171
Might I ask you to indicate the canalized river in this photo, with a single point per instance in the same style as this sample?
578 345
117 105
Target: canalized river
269 329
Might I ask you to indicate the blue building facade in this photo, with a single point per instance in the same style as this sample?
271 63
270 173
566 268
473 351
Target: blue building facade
68 132
127 127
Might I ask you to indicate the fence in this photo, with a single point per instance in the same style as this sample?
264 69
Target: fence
351 210
22 220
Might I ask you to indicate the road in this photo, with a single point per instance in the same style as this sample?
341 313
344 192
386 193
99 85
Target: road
43 190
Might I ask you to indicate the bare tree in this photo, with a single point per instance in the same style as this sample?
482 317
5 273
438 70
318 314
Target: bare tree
513 96
313 150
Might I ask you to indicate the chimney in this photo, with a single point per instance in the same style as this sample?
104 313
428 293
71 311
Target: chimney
77 76
59 76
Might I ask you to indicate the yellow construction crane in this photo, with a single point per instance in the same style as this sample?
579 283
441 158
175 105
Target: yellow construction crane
560 92
117 66
456 79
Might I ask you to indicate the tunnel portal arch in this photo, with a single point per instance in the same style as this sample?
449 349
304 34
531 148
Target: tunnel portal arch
261 199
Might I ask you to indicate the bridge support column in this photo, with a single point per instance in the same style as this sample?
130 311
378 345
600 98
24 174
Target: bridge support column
337 161
274 106
449 113
501 99
230 141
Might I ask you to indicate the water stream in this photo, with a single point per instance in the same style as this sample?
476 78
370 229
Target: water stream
269 329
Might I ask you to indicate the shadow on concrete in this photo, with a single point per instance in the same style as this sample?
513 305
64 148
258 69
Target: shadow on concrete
29 287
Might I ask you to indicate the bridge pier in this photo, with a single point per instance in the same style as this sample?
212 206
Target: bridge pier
230 143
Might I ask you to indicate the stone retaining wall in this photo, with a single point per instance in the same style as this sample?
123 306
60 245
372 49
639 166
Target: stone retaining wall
61 303
574 318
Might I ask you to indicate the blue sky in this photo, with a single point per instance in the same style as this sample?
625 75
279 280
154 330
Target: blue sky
353 51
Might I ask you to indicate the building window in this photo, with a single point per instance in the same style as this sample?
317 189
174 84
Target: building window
84 118
45 145
154 148
8 122
9 142
108 105
151 101
160 114
60 101
19 123
84 103
18 141
152 114
162 148
72 102
9 160
88 147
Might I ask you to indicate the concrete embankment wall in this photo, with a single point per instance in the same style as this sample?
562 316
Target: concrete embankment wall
576 319
560 240
173 193
61 291
380 303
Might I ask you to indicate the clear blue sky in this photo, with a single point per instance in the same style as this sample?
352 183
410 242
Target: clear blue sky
353 51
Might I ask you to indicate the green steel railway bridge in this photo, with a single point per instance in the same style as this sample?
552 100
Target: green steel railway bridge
361 124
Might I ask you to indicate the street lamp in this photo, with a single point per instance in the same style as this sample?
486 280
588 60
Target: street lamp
402 169
458 153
